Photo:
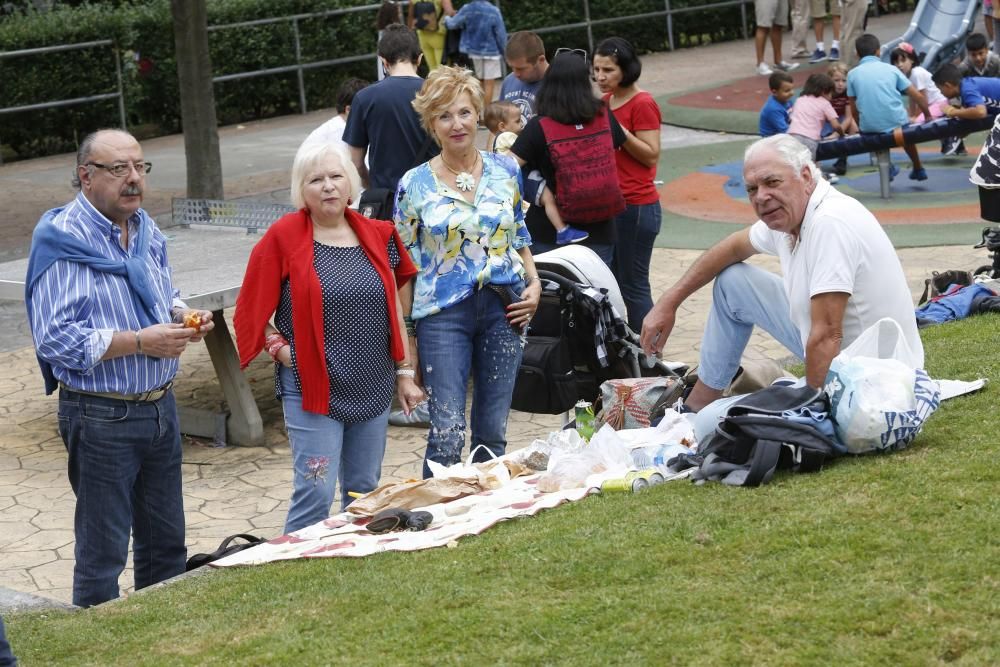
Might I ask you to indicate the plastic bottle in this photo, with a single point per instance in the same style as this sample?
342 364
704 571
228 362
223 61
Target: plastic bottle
656 456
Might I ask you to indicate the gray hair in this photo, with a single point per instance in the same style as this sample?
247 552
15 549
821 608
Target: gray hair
85 149
308 155
791 151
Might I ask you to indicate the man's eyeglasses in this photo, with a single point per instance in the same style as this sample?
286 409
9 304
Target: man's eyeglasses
119 169
579 52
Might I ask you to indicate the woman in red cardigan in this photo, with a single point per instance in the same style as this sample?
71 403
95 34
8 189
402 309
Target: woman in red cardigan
320 296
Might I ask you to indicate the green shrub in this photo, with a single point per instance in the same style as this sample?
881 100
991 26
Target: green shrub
142 33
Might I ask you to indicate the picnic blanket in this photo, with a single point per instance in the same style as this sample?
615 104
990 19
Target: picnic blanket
345 534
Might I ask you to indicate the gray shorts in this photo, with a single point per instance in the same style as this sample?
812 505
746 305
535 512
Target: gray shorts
771 12
818 8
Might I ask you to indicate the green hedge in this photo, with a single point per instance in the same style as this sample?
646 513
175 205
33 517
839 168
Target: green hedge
143 35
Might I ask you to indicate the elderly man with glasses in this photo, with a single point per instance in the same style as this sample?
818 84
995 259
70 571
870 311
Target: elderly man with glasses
108 328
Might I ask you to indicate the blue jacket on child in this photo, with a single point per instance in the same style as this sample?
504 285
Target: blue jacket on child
483 31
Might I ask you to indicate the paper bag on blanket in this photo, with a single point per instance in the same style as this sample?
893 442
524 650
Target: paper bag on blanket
413 494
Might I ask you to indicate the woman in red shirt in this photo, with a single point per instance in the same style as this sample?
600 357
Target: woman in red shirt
616 70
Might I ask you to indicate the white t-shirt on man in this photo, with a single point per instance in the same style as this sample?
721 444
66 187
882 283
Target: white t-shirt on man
841 248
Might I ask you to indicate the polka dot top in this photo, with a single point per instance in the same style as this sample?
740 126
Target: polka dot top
356 332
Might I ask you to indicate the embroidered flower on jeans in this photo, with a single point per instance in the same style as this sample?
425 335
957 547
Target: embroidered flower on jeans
316 467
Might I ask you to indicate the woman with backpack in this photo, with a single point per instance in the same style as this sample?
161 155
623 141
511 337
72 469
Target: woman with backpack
427 18
617 70
572 143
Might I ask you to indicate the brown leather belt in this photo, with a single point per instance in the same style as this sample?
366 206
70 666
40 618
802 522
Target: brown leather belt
150 396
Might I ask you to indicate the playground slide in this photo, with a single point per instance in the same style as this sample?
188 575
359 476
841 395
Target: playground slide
938 30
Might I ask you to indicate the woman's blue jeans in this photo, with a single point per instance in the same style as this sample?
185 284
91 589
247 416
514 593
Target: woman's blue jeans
325 451
125 469
470 336
744 296
637 228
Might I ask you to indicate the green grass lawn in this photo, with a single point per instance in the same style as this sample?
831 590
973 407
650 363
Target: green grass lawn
878 560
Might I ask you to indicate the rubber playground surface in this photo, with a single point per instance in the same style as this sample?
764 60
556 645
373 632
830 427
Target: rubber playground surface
703 197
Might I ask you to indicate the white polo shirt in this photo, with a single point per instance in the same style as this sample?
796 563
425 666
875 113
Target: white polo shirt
841 248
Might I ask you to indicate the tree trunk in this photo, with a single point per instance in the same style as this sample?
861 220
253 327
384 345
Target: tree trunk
194 73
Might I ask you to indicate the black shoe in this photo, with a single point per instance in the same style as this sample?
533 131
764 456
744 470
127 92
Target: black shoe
961 148
949 145
388 520
840 166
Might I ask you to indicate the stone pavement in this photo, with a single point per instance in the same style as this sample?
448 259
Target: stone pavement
246 489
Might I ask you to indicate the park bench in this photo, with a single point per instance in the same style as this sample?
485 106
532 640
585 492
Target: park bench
251 215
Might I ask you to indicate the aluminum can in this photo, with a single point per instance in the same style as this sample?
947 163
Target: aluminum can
585 419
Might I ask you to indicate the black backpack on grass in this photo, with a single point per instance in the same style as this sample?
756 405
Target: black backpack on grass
754 439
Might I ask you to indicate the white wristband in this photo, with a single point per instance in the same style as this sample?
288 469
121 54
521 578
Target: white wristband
406 372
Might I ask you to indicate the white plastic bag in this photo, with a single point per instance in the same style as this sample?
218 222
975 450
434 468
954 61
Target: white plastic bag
879 396
570 468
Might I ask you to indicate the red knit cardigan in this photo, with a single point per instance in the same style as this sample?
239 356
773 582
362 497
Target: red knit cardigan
286 251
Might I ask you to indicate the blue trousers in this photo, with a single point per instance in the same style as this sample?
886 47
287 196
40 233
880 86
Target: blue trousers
744 296
125 469
7 658
324 452
470 336
637 228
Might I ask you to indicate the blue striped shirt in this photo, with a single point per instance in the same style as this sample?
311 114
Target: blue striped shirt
76 310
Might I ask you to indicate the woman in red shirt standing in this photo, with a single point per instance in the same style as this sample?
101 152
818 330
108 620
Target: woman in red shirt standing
616 70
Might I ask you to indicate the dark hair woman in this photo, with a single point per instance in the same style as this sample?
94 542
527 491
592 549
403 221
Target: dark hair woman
616 70
566 98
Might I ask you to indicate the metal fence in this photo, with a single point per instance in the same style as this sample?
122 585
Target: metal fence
299 67
667 13
53 104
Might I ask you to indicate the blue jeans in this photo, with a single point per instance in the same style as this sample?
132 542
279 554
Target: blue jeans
743 296
470 335
637 227
325 451
606 251
7 658
125 469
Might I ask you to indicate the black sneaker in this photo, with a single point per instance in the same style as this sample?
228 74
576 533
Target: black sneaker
961 148
840 166
949 145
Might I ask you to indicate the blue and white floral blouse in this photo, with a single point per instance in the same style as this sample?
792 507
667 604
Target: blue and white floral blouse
458 246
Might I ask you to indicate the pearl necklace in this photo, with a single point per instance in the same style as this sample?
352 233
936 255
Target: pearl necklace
464 180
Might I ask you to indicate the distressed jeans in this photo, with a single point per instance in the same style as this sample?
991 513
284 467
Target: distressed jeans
125 469
470 336
326 451
743 296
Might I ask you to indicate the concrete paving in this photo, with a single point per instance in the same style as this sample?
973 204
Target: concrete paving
246 489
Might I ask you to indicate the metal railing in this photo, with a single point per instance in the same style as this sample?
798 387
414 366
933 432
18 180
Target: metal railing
299 67
118 94
588 23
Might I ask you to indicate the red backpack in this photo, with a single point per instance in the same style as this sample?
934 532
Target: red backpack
586 187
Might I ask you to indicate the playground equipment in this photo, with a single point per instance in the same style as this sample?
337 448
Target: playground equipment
938 30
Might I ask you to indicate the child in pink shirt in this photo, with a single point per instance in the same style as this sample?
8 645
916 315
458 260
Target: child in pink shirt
811 110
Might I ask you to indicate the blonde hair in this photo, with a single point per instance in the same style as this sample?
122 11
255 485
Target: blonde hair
306 159
837 67
443 86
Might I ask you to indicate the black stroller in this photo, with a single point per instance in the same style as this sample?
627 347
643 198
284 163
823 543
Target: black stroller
578 337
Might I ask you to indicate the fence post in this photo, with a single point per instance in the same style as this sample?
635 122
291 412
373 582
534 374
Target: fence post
743 15
670 24
590 28
298 64
121 88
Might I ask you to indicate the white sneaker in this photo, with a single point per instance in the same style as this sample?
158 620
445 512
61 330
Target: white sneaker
831 178
764 70
786 66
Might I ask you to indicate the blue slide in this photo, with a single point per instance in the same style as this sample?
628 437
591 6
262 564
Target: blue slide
938 30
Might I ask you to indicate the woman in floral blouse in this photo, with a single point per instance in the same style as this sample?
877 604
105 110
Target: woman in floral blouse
460 217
